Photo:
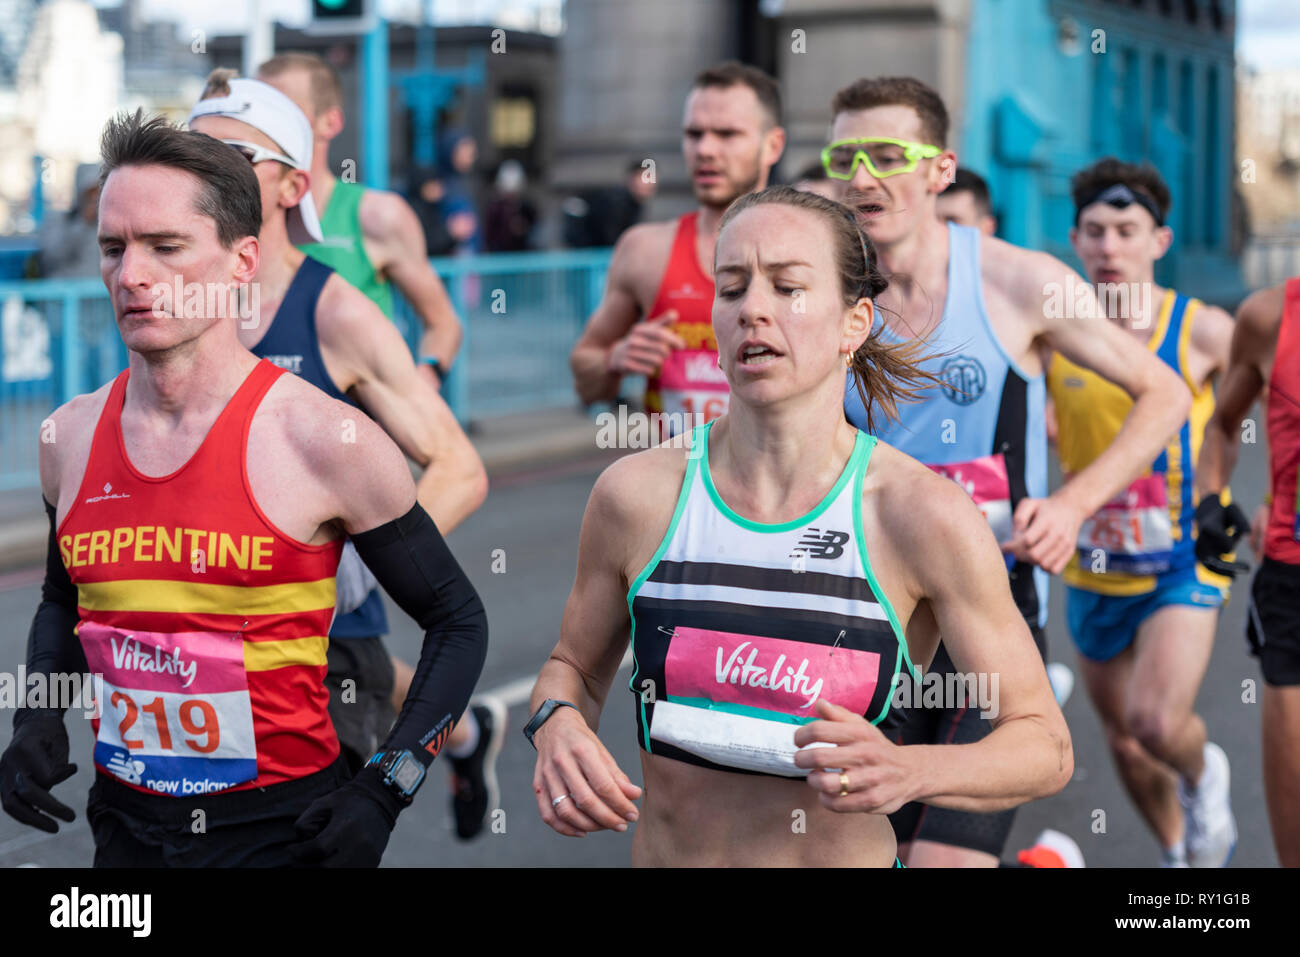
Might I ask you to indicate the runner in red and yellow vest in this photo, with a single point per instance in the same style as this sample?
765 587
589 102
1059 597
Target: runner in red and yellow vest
655 316
208 623
690 388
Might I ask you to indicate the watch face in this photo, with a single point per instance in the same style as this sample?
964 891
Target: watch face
407 774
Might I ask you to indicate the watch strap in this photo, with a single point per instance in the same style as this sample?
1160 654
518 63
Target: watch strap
547 709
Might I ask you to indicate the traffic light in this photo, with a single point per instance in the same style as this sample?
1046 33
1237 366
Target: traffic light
341 16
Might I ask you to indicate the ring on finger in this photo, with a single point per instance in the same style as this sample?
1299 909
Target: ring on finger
556 802
844 784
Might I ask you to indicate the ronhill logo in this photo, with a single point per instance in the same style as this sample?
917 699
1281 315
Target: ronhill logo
818 544
747 673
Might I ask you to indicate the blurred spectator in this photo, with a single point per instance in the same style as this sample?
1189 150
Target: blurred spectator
967 202
597 217
426 197
510 216
456 160
814 180
69 241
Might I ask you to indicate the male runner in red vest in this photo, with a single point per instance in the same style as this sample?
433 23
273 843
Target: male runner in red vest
1265 352
197 507
656 318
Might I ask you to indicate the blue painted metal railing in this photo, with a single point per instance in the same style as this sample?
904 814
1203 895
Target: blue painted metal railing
521 312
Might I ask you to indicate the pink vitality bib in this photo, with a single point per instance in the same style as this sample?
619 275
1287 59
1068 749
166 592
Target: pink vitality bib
1133 530
985 481
176 715
773 675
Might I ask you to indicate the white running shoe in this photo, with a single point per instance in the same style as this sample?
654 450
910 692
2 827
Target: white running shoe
1175 857
1210 828
1052 849
1062 680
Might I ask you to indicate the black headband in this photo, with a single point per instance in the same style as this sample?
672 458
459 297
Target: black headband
1119 196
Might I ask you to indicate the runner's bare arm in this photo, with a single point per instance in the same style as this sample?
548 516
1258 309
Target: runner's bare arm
1209 355
361 340
619 522
1028 755
392 229
1254 339
955 576
614 318
1160 398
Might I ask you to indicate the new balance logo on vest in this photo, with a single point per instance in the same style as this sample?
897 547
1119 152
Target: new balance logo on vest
818 544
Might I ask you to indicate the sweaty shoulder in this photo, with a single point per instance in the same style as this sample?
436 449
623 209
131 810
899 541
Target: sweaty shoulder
641 256
1261 312
384 214
921 514
328 452
62 458
1019 274
345 316
633 501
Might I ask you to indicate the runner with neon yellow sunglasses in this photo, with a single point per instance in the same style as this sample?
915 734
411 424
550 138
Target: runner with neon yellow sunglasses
980 303
883 157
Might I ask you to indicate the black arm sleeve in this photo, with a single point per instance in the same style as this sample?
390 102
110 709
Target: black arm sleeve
410 559
52 645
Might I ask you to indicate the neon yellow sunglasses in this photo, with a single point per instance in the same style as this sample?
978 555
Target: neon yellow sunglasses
883 156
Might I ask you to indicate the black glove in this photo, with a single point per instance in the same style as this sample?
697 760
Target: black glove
1219 528
35 761
348 827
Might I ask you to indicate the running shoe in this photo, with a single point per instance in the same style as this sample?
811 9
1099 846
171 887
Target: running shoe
1211 830
474 778
1052 849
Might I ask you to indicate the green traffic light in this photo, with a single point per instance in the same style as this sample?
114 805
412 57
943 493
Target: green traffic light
333 4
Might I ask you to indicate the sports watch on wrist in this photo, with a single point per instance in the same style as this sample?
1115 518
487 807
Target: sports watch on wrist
402 773
545 711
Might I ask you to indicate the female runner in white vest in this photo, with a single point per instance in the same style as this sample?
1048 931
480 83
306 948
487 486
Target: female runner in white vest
777 581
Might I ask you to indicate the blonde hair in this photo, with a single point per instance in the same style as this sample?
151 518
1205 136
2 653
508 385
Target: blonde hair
884 373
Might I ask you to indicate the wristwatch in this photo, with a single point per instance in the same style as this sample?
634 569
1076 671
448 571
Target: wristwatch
436 363
545 711
402 773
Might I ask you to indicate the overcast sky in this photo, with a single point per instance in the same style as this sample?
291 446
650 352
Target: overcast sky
1268 31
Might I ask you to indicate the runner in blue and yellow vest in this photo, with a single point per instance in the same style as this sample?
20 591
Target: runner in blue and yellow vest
1142 610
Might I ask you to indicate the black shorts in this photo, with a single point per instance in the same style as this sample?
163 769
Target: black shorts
961 725
362 711
252 828
1273 621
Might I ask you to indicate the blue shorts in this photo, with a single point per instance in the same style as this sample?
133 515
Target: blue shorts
1104 625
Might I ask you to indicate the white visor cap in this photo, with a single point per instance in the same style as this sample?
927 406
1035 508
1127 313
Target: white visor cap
265 108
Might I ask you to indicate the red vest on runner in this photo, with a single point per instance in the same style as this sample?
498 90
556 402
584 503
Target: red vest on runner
207 622
1282 538
689 383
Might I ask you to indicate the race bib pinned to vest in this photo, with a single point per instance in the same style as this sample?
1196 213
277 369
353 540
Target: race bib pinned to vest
1133 530
985 481
176 716
737 700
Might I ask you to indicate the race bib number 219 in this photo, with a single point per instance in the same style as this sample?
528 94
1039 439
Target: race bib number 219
176 716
